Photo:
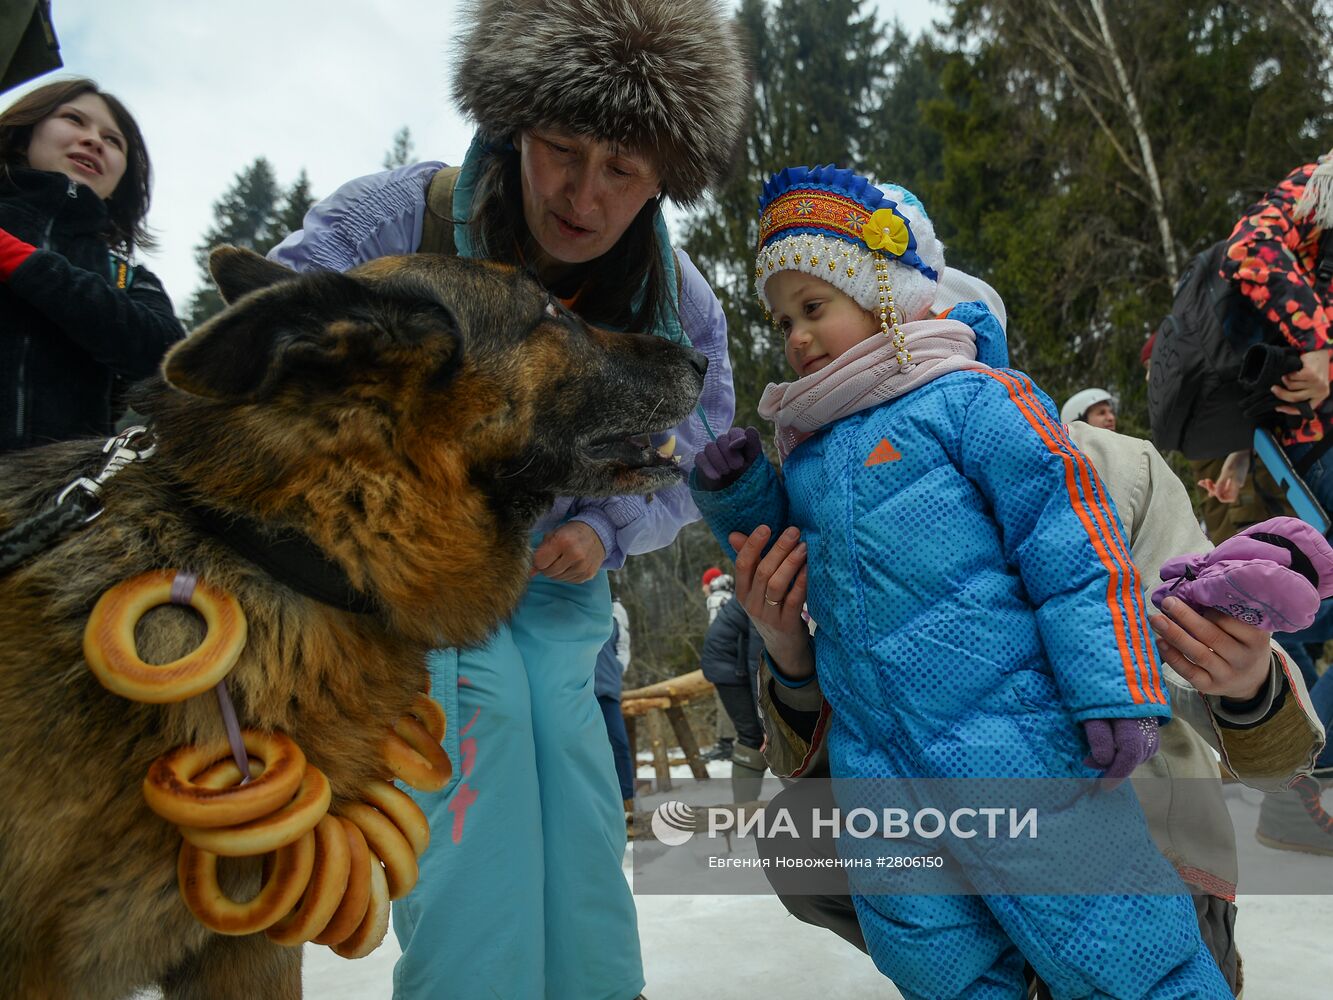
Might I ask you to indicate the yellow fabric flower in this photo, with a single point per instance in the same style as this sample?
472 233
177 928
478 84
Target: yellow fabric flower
886 231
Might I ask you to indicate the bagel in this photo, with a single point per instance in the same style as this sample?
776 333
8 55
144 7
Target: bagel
405 813
110 650
387 843
415 757
172 793
428 712
356 900
267 833
328 885
197 873
370 932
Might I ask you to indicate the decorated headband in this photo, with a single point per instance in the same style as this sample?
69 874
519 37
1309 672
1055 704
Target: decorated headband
842 228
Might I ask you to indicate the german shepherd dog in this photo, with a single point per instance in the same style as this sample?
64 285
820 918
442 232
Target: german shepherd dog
407 422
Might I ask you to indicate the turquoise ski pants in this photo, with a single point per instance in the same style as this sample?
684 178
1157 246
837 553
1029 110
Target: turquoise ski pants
521 894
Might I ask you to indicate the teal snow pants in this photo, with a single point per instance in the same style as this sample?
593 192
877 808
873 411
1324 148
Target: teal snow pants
521 894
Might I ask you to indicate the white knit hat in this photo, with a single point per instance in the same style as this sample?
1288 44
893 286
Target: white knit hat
874 242
1081 402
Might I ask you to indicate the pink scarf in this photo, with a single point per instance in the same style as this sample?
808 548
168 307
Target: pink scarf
866 376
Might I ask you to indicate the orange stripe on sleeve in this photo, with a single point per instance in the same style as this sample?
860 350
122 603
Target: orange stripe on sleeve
1098 524
1144 651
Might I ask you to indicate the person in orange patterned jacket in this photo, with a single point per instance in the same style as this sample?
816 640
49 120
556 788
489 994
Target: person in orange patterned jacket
1280 255
1274 256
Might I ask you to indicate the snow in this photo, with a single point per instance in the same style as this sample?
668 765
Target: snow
736 947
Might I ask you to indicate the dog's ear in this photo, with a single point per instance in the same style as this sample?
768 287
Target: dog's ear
247 346
237 271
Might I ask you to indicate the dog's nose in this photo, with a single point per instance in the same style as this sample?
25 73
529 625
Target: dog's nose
699 361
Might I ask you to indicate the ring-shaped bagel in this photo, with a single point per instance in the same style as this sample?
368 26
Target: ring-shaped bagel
197 872
373 926
387 843
267 833
406 814
110 650
172 792
352 908
415 758
325 891
430 714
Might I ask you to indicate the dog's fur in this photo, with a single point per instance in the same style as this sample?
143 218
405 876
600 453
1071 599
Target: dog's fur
411 418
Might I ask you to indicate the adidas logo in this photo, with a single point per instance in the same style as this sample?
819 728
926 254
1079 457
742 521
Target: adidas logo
884 452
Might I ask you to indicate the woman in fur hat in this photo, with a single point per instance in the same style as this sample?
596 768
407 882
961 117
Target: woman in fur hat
589 112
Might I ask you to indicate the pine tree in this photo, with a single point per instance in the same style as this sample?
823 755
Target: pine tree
1091 148
295 203
400 154
254 213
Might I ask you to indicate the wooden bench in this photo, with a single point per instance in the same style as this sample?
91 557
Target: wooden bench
665 700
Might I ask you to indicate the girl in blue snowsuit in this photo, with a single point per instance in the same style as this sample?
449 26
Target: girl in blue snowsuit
974 595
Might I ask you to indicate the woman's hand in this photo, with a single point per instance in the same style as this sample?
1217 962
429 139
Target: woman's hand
1308 384
772 590
572 553
1226 488
1216 653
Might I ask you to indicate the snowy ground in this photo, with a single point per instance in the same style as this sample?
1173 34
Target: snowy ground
737 947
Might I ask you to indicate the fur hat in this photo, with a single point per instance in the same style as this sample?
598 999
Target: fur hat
664 77
1316 201
873 242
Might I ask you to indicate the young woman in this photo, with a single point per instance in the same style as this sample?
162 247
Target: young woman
76 317
584 124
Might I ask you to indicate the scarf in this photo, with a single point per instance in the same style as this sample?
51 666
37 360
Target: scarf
865 376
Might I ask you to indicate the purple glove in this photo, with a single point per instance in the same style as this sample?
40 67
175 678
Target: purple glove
1119 746
725 460
1272 575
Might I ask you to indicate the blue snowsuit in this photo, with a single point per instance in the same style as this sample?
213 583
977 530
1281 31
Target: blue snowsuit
976 602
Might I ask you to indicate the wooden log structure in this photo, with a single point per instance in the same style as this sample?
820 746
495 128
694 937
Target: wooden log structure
666 698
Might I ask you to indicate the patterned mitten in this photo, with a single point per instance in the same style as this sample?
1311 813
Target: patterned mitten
1272 575
725 460
1119 746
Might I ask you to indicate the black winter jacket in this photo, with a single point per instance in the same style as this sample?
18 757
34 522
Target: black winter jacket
732 647
67 333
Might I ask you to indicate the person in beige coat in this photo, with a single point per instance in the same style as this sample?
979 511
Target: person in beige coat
1241 697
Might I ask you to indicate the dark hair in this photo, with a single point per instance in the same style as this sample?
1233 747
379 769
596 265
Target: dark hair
128 204
609 285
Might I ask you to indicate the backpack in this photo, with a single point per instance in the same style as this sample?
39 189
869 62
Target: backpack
1194 390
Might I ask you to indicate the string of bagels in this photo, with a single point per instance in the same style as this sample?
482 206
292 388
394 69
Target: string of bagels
328 878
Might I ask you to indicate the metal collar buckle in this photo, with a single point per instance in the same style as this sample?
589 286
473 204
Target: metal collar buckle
122 454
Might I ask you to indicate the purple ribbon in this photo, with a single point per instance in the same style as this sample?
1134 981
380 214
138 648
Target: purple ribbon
182 589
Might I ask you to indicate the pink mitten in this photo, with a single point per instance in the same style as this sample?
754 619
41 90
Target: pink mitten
1272 575
1119 746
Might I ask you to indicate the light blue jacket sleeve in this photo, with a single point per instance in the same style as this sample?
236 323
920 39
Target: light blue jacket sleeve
378 215
1062 532
630 525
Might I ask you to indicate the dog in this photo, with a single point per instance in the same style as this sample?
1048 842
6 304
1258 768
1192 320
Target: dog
401 425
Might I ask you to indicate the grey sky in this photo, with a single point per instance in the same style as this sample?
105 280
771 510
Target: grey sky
319 84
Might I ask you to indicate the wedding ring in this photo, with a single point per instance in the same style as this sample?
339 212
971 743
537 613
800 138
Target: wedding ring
771 604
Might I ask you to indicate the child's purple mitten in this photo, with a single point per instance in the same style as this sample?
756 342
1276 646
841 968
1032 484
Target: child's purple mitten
1119 746
1271 575
725 460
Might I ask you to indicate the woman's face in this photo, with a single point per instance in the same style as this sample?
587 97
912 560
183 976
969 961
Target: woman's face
580 194
81 140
